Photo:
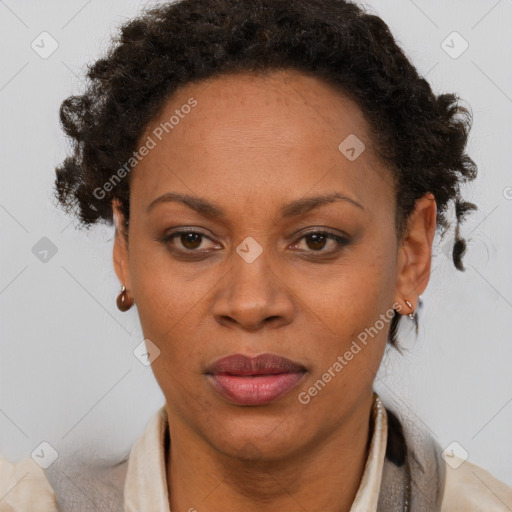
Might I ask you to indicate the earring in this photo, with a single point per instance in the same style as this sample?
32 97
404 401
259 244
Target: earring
410 315
123 302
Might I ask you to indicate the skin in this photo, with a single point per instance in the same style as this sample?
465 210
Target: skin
252 145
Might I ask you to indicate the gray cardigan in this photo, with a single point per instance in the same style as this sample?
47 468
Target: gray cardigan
412 480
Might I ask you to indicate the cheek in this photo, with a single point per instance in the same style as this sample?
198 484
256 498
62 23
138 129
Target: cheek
356 306
171 304
353 293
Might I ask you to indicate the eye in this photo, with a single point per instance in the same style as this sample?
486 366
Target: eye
186 241
316 241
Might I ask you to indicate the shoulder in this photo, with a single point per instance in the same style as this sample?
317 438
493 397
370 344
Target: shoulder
470 488
24 486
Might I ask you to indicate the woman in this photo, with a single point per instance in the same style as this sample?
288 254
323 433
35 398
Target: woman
276 172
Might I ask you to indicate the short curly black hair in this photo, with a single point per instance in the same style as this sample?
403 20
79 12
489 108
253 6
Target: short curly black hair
421 136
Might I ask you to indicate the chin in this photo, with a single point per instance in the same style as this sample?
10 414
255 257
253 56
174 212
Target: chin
259 438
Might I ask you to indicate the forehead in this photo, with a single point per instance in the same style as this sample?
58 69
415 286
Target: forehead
257 105
262 136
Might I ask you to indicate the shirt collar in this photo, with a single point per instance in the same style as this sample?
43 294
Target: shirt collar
367 495
145 488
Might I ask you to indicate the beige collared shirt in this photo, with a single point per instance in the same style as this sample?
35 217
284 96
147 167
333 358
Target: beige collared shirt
24 487
146 481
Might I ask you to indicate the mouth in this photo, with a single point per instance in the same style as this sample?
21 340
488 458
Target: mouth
254 381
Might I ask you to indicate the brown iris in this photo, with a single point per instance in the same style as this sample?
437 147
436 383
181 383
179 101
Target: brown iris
318 241
191 240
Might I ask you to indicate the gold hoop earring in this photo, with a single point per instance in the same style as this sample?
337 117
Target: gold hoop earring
124 303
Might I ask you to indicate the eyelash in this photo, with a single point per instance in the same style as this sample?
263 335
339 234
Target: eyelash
340 240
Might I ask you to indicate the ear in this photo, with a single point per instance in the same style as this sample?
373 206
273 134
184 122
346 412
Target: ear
120 251
415 251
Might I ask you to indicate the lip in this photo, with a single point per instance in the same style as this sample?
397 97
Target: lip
254 381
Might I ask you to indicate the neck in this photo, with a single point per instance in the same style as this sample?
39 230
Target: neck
323 477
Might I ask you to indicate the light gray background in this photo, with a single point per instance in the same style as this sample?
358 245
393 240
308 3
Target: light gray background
67 372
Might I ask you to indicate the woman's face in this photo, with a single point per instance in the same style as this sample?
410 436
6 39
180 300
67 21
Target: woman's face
253 272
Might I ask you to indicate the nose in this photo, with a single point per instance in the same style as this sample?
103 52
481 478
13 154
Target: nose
253 296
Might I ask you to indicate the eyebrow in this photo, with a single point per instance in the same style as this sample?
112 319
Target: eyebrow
214 211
